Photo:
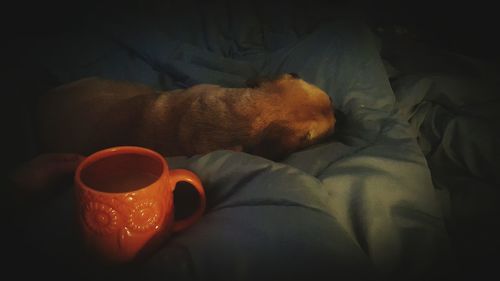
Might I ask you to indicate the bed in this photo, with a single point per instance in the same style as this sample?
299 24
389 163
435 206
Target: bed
406 188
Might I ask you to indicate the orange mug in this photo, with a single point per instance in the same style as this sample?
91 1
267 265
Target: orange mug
125 202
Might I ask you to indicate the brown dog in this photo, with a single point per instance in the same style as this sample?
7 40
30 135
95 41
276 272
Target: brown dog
271 119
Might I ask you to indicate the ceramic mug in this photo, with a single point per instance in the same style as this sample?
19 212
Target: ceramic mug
125 202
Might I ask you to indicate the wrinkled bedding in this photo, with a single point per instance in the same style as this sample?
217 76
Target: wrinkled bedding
378 200
452 102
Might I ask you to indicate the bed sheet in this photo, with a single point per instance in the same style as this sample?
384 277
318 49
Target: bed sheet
451 101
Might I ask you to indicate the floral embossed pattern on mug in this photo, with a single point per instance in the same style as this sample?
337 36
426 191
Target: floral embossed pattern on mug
125 200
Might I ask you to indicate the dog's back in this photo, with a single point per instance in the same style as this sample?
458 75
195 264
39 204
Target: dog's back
73 115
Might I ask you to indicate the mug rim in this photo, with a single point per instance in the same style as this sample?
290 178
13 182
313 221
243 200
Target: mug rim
125 149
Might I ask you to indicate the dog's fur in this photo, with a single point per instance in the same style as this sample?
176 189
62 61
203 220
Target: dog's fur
272 118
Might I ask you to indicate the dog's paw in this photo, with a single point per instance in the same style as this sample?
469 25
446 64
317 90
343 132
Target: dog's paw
44 171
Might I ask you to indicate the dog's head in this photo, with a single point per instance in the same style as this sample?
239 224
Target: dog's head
300 115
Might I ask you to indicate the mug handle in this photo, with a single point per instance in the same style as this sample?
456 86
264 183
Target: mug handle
178 175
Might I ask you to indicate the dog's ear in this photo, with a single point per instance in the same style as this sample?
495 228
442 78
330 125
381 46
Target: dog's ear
255 82
275 142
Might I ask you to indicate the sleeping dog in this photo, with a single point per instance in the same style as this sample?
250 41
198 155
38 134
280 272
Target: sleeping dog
270 118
